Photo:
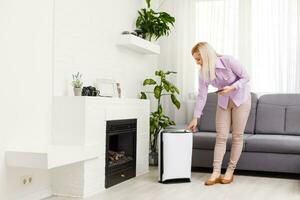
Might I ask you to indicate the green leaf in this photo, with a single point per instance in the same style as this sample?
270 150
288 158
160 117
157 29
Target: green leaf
173 88
166 84
176 89
175 101
149 81
157 92
159 73
143 95
172 122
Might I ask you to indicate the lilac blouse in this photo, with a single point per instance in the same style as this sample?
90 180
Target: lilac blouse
229 72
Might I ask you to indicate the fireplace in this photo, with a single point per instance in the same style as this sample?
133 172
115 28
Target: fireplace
120 161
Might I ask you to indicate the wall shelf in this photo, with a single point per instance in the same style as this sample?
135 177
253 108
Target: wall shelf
51 156
138 44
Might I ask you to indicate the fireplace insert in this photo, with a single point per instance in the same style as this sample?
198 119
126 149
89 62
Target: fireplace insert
120 151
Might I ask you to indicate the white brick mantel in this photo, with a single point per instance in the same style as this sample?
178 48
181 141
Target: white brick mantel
82 121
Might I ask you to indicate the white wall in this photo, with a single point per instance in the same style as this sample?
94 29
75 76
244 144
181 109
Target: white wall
26 87
85 34
85 40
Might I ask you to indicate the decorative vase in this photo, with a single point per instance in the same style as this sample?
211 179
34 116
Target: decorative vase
153 158
77 91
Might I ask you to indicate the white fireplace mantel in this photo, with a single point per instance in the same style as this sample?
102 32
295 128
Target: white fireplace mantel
82 121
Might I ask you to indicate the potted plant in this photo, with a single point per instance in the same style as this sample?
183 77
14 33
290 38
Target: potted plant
158 120
77 84
154 24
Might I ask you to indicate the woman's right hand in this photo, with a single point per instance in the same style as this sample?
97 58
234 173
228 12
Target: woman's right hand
192 125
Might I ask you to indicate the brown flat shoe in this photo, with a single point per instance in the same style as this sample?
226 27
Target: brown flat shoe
226 181
214 181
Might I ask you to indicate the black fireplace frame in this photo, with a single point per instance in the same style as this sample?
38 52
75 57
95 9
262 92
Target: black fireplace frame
119 173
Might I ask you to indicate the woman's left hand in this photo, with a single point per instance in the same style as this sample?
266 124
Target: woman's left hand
226 90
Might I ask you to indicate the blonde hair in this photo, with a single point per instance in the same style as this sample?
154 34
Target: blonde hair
209 57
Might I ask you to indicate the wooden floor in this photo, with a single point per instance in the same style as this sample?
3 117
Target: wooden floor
246 186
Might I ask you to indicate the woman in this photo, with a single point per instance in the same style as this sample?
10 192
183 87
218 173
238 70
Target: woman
234 103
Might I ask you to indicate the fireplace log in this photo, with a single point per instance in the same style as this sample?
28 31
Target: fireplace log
115 156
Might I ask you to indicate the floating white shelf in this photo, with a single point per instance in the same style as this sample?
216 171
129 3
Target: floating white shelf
51 156
138 44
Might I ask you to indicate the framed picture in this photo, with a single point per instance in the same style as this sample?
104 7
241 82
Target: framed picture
107 87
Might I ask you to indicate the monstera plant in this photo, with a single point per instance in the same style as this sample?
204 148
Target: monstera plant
162 88
154 24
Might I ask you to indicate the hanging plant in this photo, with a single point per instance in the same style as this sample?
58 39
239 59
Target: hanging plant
154 24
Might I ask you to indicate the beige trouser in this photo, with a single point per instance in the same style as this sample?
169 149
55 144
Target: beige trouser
237 118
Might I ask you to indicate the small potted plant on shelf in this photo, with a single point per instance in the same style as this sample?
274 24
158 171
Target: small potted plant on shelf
77 84
158 120
154 24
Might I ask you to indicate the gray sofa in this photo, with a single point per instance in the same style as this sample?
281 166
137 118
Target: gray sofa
271 139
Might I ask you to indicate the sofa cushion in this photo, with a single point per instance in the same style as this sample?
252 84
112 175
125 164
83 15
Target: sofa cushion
270 118
292 125
250 126
278 114
267 143
207 122
207 140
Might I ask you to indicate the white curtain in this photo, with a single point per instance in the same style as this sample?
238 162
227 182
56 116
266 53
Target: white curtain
217 23
176 53
274 46
263 34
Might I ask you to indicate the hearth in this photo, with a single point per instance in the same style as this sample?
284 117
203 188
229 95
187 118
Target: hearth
120 151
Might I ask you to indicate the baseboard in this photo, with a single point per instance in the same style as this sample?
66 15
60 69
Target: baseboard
68 196
38 195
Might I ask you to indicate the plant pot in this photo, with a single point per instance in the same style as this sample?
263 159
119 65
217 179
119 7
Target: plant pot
153 158
77 91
